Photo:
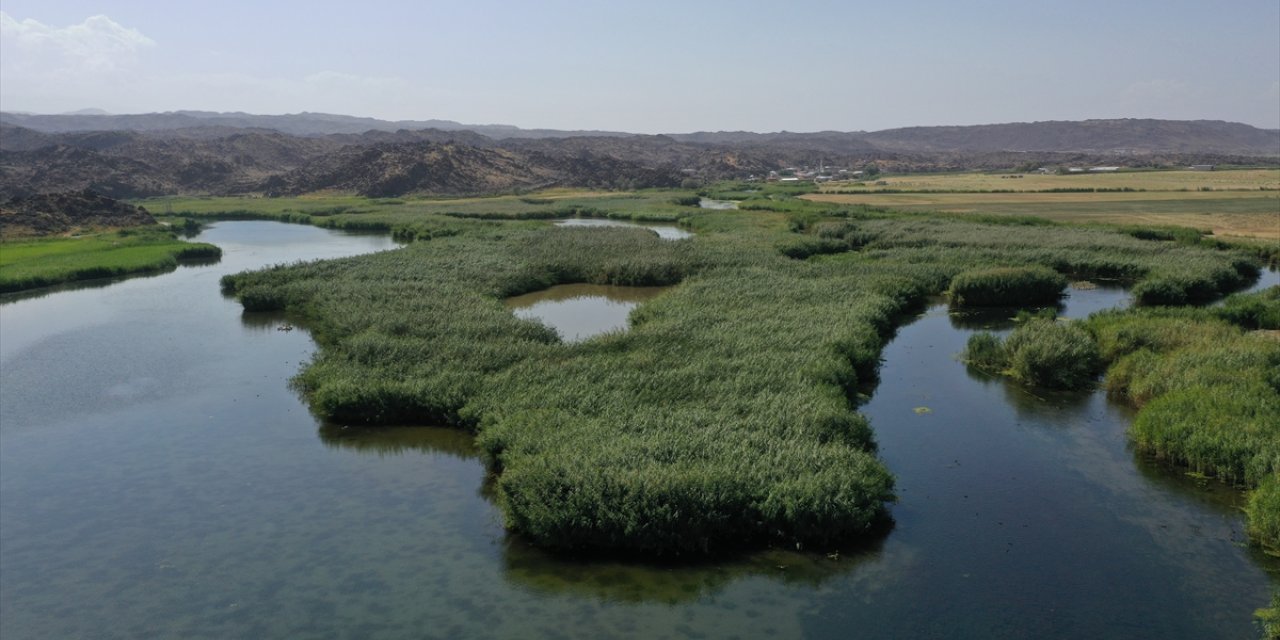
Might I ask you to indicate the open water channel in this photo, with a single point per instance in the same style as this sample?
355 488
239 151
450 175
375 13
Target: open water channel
158 478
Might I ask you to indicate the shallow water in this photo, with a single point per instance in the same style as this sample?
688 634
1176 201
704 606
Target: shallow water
159 479
580 311
708 203
665 231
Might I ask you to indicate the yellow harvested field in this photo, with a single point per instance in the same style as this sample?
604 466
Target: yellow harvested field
1243 203
1174 180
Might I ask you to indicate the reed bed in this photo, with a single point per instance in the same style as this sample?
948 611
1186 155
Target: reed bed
725 418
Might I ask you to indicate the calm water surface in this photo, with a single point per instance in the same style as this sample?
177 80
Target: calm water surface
579 311
665 231
159 479
708 203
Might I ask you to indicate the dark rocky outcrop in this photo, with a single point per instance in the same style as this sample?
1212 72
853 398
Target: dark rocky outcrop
57 213
198 153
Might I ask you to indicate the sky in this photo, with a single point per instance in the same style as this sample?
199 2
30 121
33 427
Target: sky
654 66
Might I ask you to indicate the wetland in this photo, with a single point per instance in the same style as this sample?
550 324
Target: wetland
167 470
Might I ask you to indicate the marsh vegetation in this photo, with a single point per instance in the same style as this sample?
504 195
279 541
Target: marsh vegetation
726 417
247 494
1205 381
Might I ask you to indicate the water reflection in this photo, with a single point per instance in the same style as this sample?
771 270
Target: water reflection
158 478
1082 299
1052 408
1268 278
97 283
400 440
991 318
682 582
666 232
536 570
580 311
708 203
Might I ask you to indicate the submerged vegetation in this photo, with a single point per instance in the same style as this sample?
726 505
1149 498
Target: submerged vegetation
28 264
726 417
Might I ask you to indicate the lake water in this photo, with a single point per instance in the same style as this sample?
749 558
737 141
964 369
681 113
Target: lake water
158 478
708 203
665 231
580 311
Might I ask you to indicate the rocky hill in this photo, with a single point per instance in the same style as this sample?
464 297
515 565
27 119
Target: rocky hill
396 169
203 153
56 213
1124 135
1141 135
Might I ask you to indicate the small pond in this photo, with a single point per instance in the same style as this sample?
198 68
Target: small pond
667 232
708 203
580 311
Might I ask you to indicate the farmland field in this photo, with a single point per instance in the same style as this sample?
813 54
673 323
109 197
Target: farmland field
1173 180
1242 204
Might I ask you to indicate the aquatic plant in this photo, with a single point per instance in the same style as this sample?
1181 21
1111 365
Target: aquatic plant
1259 310
1263 510
1007 287
725 418
1040 353
985 350
1208 392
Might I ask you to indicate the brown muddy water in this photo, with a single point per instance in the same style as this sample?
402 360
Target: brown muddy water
158 478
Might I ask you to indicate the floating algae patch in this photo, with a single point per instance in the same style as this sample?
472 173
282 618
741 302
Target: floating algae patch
580 311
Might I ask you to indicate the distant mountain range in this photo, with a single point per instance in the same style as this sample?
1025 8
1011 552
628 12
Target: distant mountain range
196 152
298 124
1136 135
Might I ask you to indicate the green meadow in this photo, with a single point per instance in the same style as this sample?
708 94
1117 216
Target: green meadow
27 264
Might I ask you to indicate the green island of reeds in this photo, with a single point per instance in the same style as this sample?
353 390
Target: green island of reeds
1041 353
31 263
726 417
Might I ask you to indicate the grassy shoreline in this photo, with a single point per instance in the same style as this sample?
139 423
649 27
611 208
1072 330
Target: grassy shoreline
1204 380
33 263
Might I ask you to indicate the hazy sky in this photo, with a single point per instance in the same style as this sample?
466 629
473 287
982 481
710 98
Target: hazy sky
652 66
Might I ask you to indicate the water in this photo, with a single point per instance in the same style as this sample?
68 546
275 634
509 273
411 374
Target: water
667 232
159 479
580 311
708 203
1269 278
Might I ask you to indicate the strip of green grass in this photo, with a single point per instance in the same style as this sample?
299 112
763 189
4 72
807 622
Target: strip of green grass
29 264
